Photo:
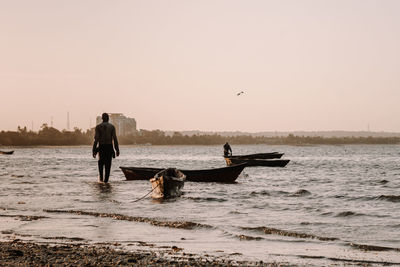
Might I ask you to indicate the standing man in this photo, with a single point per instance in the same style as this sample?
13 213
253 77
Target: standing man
227 150
104 136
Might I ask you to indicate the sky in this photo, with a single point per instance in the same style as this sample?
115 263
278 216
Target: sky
304 65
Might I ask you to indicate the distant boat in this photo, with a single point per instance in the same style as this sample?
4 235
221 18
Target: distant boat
6 152
167 183
270 155
219 175
256 162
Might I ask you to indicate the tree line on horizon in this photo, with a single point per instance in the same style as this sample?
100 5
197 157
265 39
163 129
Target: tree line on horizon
49 136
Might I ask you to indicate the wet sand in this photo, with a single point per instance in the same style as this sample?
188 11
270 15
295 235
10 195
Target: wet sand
18 253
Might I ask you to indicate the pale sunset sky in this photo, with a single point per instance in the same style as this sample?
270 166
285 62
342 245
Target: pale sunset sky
177 65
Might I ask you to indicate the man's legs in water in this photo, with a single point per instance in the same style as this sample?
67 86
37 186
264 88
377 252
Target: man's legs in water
106 152
100 164
107 164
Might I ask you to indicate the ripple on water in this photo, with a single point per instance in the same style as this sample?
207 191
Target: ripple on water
63 238
301 193
17 175
24 217
275 231
206 199
171 224
276 193
348 214
261 193
391 198
372 247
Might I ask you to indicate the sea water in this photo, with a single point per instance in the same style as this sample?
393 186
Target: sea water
330 205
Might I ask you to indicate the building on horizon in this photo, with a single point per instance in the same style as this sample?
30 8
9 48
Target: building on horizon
123 125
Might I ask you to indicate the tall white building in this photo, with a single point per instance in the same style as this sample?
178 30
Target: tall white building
123 125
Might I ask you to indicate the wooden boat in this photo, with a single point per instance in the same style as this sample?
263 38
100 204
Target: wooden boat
257 162
167 183
6 152
271 155
219 175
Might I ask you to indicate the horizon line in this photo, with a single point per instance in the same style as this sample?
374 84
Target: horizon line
232 131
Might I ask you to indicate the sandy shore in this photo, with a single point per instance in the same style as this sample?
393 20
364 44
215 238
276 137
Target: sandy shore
18 253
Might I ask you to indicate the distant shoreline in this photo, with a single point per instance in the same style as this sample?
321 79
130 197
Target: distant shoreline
10 147
49 136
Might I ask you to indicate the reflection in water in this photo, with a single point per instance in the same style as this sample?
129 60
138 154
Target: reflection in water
102 191
165 200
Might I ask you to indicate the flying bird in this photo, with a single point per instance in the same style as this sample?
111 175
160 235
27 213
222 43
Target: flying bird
241 92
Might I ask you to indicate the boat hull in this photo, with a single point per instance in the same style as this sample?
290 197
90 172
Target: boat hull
219 175
257 162
6 152
271 155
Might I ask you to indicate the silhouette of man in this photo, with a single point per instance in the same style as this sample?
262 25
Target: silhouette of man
104 137
227 150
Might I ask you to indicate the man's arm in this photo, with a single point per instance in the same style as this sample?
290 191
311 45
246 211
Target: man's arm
114 136
96 141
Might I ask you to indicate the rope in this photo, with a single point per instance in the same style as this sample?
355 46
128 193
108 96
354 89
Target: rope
145 195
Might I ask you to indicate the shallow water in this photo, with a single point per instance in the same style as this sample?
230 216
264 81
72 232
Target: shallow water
329 205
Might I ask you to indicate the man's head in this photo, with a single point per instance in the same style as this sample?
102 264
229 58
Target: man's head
105 117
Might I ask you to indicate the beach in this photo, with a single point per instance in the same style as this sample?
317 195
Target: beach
17 253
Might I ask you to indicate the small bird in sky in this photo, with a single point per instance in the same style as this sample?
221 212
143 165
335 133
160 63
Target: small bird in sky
241 92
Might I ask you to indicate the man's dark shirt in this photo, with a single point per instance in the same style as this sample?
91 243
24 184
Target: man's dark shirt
105 135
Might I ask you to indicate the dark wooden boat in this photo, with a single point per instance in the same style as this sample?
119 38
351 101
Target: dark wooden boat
257 162
219 175
271 155
6 152
167 183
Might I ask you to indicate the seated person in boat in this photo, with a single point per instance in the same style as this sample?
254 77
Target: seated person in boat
227 150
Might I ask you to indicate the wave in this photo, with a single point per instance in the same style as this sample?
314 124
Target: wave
313 223
300 193
271 193
237 212
262 193
17 175
7 208
339 196
171 224
372 247
25 182
391 198
243 237
202 199
25 217
246 237
274 231
355 261
348 214
65 238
